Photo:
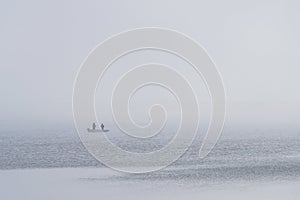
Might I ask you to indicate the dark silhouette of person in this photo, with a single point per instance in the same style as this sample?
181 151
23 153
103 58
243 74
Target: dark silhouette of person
102 127
94 126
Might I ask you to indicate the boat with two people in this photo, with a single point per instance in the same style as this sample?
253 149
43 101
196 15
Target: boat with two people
94 128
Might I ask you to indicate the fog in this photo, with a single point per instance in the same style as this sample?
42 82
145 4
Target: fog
255 45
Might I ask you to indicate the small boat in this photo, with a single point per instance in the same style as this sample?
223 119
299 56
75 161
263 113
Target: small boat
94 130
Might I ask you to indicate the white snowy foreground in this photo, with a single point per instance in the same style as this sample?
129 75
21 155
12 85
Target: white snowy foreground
92 183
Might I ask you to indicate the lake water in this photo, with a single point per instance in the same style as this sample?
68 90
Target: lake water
231 159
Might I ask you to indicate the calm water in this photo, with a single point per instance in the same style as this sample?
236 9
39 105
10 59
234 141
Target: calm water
232 159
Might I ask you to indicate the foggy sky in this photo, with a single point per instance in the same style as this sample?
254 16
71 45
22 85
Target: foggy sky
255 45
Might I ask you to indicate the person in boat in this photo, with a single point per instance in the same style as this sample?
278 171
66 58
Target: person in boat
94 126
102 127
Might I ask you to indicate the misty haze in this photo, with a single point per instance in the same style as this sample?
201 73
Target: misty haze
254 46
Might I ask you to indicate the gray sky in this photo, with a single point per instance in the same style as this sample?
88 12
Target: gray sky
255 45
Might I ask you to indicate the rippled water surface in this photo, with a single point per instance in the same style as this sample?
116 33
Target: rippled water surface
231 159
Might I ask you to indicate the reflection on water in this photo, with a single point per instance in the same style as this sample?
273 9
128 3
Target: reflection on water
232 159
